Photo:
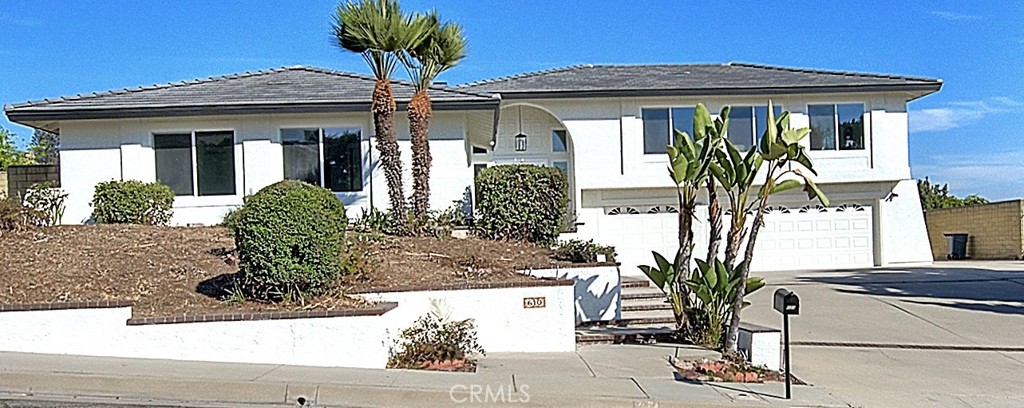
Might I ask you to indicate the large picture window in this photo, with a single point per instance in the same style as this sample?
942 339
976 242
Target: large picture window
660 125
837 127
196 162
327 157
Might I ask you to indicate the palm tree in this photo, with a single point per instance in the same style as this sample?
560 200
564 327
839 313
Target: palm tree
379 32
442 49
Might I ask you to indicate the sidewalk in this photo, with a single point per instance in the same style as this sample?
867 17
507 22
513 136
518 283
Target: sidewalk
598 375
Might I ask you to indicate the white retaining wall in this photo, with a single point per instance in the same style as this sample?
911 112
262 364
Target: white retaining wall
503 322
597 290
351 341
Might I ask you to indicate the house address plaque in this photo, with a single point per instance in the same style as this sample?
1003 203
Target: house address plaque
534 302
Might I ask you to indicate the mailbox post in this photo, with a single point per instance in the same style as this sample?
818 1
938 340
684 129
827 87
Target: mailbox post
787 303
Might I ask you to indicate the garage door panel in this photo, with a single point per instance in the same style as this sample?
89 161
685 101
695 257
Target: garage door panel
831 238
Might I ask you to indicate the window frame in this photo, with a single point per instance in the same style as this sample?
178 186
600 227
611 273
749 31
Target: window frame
322 149
193 149
866 138
654 157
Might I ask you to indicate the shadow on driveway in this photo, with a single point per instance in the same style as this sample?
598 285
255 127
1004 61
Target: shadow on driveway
967 288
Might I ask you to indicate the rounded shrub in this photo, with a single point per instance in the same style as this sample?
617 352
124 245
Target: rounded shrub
132 202
521 203
290 239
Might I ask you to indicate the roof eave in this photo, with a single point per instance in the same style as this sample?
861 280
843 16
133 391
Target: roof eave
918 90
28 114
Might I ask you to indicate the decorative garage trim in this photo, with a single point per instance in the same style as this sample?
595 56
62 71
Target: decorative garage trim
638 210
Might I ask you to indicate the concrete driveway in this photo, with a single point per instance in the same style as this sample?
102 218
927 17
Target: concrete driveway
945 335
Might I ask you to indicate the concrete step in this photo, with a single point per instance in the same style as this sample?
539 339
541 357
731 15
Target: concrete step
617 335
642 293
648 316
639 305
635 282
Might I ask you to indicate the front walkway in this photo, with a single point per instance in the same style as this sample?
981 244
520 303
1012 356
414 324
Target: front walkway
597 375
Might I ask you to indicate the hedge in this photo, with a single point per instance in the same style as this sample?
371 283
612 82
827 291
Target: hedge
132 202
521 203
290 238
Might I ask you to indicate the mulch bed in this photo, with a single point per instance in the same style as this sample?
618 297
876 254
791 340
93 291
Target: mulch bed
169 271
707 370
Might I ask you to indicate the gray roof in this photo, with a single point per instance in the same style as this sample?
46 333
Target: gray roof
693 79
289 89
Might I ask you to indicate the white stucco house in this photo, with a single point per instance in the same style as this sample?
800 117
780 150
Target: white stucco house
216 140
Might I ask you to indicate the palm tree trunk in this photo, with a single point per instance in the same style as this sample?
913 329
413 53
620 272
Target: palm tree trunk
737 231
732 336
384 128
419 128
714 220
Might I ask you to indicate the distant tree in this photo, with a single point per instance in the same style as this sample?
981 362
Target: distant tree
9 153
44 147
934 196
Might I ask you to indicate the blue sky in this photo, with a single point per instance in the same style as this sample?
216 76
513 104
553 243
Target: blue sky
970 134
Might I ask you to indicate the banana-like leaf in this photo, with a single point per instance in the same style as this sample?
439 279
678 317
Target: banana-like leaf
754 284
786 185
813 191
656 276
723 276
701 119
710 277
790 136
663 263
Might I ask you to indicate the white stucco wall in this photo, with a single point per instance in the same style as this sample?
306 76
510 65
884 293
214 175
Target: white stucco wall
901 226
597 290
103 150
329 342
503 323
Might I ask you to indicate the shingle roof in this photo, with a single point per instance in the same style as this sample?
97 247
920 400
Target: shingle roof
288 89
694 79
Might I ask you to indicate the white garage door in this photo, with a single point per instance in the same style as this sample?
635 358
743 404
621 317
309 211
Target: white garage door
815 237
635 232
812 237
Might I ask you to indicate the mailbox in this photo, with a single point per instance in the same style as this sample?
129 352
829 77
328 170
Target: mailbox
787 302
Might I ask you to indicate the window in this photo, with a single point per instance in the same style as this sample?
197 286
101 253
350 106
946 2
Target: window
559 141
211 154
659 124
174 162
837 127
331 158
748 123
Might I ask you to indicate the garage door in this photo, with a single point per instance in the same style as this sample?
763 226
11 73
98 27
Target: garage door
636 231
815 237
810 237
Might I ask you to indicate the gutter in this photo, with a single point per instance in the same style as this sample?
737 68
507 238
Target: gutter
610 93
24 114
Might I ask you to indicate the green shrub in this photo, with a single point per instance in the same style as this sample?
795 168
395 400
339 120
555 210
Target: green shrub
435 338
48 201
580 251
521 203
290 238
132 202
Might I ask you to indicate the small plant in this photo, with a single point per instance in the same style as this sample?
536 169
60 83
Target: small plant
580 251
132 202
435 341
289 237
48 201
715 287
521 203
374 221
15 216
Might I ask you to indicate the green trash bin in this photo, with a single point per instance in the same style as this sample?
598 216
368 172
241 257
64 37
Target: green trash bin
956 245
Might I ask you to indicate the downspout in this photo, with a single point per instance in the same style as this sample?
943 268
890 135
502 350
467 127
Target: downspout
497 116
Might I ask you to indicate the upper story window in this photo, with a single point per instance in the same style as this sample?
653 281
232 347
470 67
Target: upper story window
837 127
747 124
327 157
659 124
196 162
